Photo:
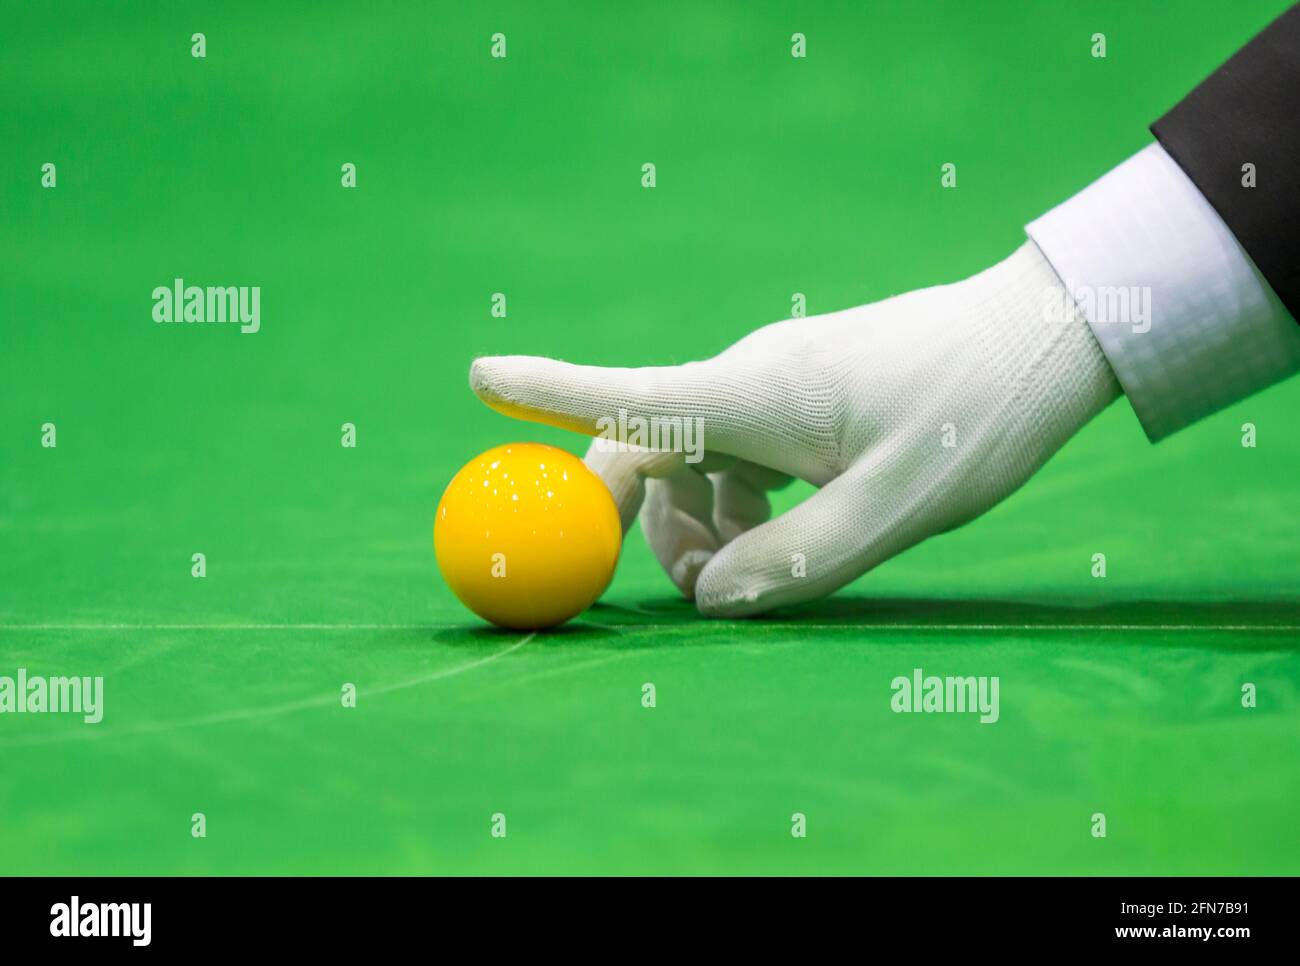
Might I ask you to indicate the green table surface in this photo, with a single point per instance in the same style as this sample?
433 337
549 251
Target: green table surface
522 175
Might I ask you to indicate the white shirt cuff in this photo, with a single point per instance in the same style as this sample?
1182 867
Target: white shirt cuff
1185 319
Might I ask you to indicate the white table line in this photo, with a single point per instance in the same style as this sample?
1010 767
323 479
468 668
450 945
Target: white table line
249 714
697 625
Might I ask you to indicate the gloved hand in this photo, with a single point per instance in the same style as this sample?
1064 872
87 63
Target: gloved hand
913 415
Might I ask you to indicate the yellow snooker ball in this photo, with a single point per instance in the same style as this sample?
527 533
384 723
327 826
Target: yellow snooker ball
526 536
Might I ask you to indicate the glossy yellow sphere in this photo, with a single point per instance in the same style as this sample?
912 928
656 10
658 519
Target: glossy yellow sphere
526 536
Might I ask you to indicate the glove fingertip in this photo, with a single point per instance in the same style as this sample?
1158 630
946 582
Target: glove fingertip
686 569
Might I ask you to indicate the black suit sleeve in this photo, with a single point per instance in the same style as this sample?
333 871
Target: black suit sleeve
1248 112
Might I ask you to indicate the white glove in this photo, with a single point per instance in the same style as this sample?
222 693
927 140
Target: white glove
913 415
